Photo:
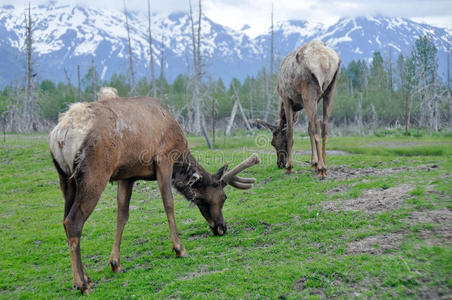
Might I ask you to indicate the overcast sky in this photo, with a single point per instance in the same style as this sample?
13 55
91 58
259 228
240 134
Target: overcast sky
256 13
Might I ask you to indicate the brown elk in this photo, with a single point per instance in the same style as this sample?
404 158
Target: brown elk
124 140
306 75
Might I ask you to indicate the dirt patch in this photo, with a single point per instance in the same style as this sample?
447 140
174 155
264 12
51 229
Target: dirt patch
202 271
198 236
393 144
441 219
375 244
434 292
345 173
328 152
372 201
339 189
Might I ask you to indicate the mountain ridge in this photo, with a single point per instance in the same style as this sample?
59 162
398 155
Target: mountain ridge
69 35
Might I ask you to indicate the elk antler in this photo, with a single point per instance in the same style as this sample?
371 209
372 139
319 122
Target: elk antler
232 179
258 123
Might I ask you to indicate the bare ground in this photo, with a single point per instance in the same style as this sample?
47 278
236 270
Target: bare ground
372 201
344 172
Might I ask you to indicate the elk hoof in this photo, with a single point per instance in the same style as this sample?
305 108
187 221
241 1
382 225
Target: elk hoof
314 166
115 266
321 173
85 288
287 170
181 252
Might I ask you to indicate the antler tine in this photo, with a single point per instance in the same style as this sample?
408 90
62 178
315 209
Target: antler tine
231 178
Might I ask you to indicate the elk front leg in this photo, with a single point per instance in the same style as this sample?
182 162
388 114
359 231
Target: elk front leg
289 134
164 174
124 193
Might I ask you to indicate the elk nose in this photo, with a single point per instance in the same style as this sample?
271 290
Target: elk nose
219 229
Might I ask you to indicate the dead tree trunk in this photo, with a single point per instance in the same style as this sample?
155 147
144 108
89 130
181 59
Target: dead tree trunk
231 119
449 100
79 84
406 114
151 56
270 77
435 105
197 66
213 119
94 79
29 117
359 114
162 67
131 69
237 100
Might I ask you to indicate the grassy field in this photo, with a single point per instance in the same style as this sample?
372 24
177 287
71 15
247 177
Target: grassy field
379 226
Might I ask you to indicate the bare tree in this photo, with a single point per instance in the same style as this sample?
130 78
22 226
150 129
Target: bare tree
359 114
162 66
79 84
237 105
197 65
29 109
94 79
151 56
270 77
449 100
131 69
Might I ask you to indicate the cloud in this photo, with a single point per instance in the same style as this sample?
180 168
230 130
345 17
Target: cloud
256 13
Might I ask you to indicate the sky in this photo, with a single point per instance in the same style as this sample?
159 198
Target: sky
256 13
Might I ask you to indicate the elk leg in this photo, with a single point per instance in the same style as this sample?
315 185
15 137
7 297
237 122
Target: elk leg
289 134
328 99
314 158
164 174
321 165
87 196
124 193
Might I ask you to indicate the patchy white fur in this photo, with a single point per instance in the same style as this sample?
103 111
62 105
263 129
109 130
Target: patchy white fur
322 61
67 137
107 92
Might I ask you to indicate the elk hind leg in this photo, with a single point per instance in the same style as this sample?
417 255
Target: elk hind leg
124 193
87 196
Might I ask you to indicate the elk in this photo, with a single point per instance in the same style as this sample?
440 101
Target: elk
124 140
306 75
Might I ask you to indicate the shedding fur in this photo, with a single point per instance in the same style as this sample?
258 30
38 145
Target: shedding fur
68 136
107 92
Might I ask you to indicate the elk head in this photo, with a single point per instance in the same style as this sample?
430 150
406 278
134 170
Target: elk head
207 191
279 140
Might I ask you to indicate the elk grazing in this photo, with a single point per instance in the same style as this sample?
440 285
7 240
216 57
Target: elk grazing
306 75
124 140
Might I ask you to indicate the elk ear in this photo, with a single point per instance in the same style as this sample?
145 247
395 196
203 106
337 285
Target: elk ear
220 172
193 179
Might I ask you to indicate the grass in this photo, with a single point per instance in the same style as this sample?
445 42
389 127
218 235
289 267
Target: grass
282 241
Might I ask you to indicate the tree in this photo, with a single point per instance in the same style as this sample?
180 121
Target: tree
425 59
197 66
151 56
29 109
129 43
269 89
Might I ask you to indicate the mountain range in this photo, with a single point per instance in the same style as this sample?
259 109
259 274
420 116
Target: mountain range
65 36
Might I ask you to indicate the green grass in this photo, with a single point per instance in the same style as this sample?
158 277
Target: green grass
282 242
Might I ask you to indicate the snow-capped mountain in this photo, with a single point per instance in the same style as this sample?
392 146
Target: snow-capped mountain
65 36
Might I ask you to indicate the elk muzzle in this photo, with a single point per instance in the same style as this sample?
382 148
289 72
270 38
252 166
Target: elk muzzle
219 229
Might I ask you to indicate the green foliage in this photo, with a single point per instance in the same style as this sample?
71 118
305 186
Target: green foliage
283 240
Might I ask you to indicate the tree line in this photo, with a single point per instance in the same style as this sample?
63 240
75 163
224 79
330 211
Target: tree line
405 91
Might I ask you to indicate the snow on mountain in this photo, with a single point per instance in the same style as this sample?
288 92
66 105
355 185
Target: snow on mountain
65 36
